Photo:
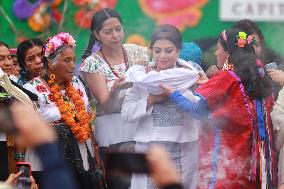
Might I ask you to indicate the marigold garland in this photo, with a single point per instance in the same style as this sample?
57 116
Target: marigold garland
74 115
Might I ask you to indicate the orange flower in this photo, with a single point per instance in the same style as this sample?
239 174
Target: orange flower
241 43
52 77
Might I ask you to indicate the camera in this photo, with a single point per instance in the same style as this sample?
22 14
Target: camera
126 163
24 181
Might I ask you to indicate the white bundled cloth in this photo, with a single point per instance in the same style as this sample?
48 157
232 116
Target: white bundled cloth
177 78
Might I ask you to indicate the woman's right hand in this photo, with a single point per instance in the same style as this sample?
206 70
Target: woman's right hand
212 70
202 78
13 178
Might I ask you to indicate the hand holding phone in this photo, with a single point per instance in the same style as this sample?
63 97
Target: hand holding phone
277 76
24 178
271 65
156 163
13 178
126 163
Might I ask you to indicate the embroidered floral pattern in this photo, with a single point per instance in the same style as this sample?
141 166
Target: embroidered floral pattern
41 88
96 64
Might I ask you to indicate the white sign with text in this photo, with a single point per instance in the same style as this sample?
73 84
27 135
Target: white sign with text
257 10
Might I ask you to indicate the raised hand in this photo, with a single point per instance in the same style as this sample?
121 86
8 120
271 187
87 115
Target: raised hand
276 75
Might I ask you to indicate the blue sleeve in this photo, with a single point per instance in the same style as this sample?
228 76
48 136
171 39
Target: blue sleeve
196 109
56 173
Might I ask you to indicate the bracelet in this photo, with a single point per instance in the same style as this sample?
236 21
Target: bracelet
18 156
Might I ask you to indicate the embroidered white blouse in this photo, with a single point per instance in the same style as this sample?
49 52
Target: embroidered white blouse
96 64
50 113
161 122
47 108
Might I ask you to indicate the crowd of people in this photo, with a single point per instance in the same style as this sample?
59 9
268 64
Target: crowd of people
201 125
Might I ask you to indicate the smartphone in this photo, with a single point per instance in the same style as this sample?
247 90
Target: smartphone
24 179
126 163
271 65
7 125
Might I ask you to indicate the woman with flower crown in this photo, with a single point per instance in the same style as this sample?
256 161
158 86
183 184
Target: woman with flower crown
64 104
236 140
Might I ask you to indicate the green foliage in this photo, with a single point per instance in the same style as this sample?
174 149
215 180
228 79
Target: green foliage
3 95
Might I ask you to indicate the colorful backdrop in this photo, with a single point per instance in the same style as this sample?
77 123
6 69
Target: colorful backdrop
197 19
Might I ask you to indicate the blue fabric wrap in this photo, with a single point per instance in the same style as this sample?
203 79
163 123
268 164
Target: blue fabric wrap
260 119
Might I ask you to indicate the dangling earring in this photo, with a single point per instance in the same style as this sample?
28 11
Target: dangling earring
51 79
150 58
227 65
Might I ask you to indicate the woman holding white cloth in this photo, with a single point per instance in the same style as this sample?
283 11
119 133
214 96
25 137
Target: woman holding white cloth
103 72
156 119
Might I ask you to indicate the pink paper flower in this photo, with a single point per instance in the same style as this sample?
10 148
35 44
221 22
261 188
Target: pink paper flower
249 39
55 42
